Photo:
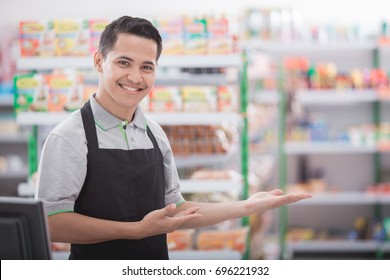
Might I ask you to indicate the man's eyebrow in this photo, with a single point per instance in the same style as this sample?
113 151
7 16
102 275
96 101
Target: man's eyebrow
132 60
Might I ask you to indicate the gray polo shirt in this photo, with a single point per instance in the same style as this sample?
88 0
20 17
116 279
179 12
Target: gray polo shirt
63 164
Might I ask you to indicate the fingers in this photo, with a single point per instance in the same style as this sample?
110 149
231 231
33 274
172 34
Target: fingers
191 210
183 219
167 210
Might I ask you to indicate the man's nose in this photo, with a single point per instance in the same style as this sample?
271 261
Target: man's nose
134 76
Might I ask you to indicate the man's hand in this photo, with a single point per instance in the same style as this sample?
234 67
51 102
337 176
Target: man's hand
262 201
161 221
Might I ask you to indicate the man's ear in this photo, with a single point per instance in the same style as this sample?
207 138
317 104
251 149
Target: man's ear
98 60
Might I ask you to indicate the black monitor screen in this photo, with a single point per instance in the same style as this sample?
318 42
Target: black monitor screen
23 229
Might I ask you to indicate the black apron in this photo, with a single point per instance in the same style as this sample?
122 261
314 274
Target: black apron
122 186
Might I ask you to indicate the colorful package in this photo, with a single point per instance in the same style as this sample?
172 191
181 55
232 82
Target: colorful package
62 87
37 38
195 36
227 99
75 98
172 34
96 27
199 98
72 37
31 93
165 99
219 40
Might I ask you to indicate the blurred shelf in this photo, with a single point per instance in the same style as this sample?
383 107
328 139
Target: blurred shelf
181 79
297 148
265 97
41 118
205 160
186 186
13 138
205 255
210 186
340 198
278 46
194 118
180 61
175 118
333 246
335 97
50 63
14 175
201 61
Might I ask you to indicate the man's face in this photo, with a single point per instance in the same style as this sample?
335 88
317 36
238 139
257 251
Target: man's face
127 72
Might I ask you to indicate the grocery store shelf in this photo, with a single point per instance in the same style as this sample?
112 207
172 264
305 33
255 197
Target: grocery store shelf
335 97
195 118
205 255
333 246
340 198
184 79
293 148
13 138
265 97
14 175
203 61
198 118
272 47
41 118
197 160
207 186
50 63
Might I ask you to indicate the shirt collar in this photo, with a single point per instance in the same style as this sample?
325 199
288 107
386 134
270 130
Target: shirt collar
106 120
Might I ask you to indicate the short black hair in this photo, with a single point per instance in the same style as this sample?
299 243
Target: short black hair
131 25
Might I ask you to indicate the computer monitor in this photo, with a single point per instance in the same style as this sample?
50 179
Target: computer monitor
23 229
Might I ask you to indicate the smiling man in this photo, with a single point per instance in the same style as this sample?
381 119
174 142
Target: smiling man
107 174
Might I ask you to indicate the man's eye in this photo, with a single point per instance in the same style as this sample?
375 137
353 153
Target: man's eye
149 68
123 62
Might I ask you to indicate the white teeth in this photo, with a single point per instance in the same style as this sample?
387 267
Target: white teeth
129 88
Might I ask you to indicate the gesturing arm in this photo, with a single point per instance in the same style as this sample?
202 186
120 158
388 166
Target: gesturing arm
72 227
212 213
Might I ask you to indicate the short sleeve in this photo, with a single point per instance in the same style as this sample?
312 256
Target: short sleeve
61 174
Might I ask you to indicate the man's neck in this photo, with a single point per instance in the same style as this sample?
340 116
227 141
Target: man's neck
122 113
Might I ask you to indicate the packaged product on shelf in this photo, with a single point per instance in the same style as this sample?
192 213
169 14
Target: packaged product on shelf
227 99
96 28
64 87
72 37
219 40
219 240
37 38
199 98
165 99
75 98
195 36
172 33
31 93
180 240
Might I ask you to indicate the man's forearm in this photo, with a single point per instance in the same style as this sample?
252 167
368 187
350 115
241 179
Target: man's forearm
213 213
79 229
